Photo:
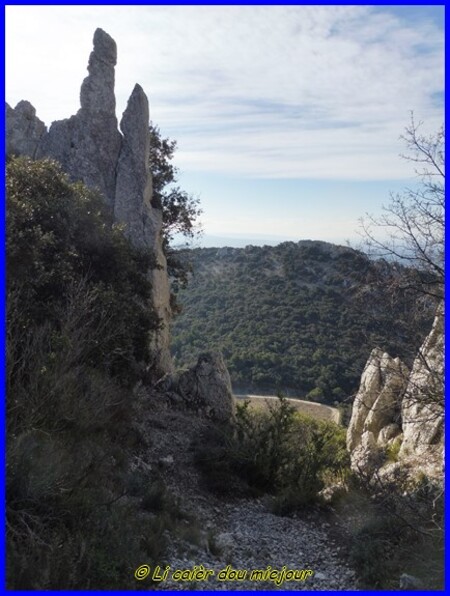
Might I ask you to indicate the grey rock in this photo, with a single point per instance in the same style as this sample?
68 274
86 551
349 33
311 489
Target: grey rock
97 90
91 149
207 387
87 145
376 405
409 582
133 190
423 406
24 130
388 433
133 209
395 406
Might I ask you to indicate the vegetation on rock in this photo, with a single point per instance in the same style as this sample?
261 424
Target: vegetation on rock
79 324
180 209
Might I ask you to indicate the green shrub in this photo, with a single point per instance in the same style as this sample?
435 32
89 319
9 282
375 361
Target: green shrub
402 532
275 451
212 450
392 450
79 328
374 550
61 240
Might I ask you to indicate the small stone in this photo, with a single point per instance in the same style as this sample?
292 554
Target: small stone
409 582
167 461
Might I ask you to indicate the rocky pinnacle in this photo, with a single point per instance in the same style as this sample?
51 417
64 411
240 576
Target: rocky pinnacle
91 149
97 90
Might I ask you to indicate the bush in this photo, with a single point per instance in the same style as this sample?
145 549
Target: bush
79 328
61 239
275 451
392 450
212 452
402 533
374 550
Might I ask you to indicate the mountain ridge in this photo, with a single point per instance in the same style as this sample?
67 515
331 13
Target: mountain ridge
300 317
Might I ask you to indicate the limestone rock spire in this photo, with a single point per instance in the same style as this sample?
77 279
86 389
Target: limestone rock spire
87 145
132 207
91 149
97 90
134 182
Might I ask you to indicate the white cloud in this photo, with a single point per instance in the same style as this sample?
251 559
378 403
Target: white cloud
281 91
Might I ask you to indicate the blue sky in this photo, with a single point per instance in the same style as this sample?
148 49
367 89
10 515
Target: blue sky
287 118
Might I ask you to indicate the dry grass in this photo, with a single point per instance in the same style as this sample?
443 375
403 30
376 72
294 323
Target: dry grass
318 411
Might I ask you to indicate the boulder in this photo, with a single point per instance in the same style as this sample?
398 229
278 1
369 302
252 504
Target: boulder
409 582
205 388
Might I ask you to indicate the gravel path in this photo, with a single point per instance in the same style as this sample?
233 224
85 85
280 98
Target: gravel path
240 533
251 538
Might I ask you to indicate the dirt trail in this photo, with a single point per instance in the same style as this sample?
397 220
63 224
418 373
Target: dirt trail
240 532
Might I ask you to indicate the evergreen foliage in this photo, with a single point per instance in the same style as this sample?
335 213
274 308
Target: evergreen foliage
79 326
301 318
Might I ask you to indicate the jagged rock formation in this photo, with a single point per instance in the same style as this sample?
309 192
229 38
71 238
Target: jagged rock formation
88 144
90 148
376 409
205 388
397 407
422 407
25 130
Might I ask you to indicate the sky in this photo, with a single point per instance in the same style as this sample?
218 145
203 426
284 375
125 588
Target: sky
288 118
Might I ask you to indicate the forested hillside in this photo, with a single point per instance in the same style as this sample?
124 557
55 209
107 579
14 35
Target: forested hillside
300 318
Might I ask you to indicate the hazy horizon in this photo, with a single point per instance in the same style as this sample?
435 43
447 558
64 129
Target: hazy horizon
287 118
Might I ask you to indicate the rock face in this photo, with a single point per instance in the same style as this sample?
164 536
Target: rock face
422 407
90 148
395 407
375 420
133 188
25 130
87 145
132 207
205 388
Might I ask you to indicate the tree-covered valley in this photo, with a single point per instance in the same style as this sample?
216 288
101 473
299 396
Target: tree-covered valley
300 318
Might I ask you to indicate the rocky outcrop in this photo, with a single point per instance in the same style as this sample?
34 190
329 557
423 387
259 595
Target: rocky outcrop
87 145
91 149
25 131
205 388
400 411
375 420
133 208
423 404
133 188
